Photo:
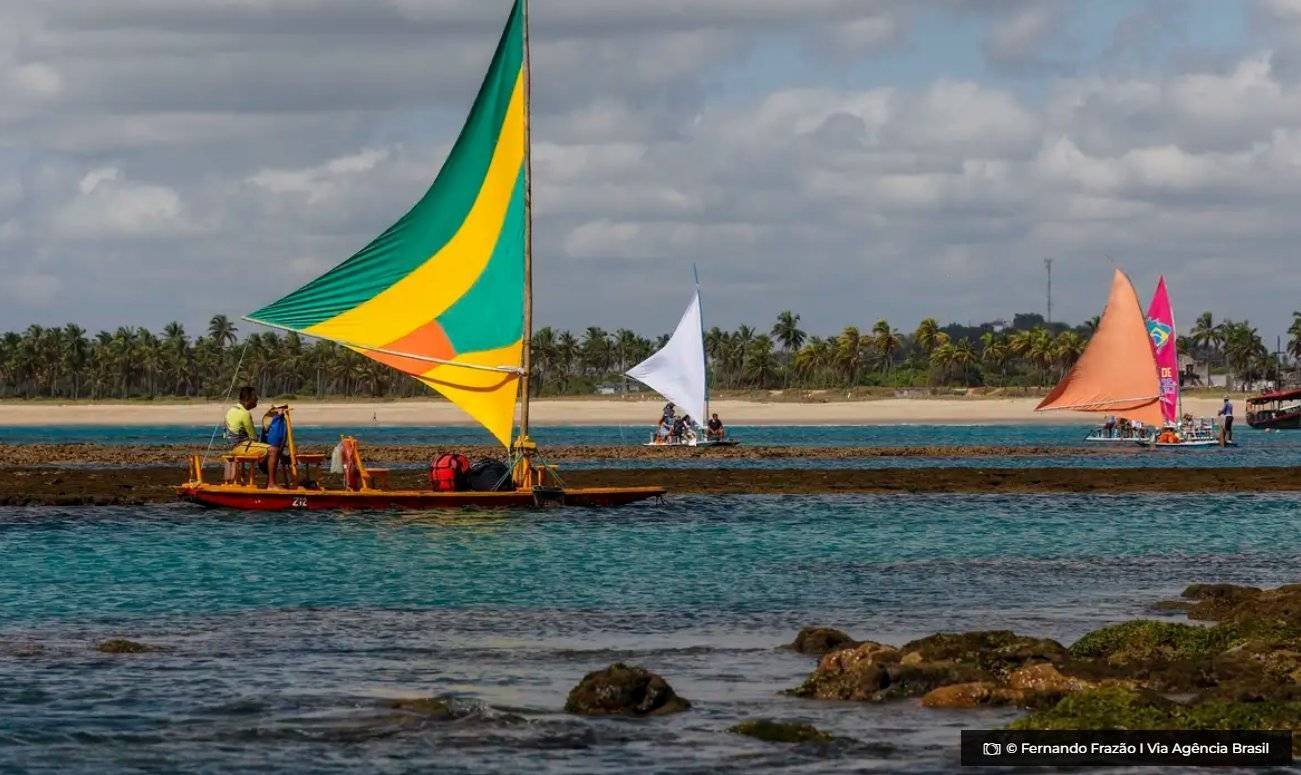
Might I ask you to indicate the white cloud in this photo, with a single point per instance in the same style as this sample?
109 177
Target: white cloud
107 205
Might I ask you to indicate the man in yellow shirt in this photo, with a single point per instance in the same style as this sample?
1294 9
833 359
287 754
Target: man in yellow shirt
240 429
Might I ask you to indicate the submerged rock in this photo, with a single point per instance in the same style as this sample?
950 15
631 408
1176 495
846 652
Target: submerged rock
772 731
817 641
124 646
624 690
428 707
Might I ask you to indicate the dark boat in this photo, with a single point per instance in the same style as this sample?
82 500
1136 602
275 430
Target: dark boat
1277 410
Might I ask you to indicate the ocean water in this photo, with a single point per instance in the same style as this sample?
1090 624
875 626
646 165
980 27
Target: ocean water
285 635
1256 448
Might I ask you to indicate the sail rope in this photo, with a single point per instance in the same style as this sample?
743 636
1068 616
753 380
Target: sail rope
516 370
229 391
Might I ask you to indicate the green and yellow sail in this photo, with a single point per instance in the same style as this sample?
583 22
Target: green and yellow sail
440 294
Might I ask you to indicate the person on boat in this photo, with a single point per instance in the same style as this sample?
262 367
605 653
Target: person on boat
715 430
662 431
689 429
678 429
1168 436
1109 427
1226 412
240 429
275 434
670 411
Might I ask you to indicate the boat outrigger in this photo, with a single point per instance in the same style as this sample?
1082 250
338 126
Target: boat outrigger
678 372
1120 375
444 295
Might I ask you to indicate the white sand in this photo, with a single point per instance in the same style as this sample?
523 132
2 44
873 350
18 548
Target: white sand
923 411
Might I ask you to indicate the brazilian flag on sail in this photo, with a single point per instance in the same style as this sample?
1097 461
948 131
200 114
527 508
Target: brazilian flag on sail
440 294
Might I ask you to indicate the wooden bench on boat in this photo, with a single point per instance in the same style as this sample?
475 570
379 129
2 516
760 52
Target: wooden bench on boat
243 465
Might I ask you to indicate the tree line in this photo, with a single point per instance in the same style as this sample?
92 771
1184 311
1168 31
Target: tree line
67 363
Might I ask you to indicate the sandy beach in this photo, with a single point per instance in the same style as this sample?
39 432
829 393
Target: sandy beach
885 411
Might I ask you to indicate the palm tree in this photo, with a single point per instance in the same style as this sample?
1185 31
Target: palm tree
595 352
1242 346
849 354
887 342
1068 346
942 359
995 352
1208 338
760 365
787 331
927 336
221 331
814 359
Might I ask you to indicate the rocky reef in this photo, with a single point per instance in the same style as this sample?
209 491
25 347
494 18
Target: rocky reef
1240 671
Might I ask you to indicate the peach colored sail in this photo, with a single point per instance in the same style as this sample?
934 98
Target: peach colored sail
1117 373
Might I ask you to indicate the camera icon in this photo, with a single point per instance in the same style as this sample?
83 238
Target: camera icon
993 749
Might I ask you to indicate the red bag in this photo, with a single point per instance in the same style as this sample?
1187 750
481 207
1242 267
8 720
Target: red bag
448 471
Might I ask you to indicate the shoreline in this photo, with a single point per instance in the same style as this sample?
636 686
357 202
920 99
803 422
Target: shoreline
577 412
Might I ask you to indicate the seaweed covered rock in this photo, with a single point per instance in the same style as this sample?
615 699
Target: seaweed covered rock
916 679
995 651
1032 686
816 641
1106 707
624 690
1122 707
1252 610
772 731
1043 684
856 673
123 646
1147 642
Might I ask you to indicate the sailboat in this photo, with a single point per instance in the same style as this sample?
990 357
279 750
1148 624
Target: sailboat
1179 430
677 371
1118 373
445 295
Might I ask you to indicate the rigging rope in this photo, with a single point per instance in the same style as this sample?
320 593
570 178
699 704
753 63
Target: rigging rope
213 439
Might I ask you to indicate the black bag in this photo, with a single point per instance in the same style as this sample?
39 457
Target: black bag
490 475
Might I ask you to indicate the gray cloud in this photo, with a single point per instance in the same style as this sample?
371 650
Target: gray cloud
167 160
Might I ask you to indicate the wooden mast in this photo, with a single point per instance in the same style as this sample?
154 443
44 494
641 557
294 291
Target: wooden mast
527 362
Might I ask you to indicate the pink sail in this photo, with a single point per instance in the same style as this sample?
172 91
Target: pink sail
1161 329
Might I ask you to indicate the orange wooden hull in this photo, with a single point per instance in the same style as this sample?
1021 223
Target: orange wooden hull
256 499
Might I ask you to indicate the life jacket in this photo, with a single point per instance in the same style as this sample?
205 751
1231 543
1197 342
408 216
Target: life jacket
447 472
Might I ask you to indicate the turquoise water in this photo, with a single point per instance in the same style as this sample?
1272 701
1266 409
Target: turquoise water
284 634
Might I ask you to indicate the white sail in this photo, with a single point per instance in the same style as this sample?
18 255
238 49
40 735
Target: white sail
677 371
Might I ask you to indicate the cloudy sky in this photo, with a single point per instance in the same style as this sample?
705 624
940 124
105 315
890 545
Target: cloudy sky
847 159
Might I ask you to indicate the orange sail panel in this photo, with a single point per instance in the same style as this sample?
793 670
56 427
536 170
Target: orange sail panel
1117 373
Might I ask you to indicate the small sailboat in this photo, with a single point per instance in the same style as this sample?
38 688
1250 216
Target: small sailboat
1118 375
446 296
1178 430
677 371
